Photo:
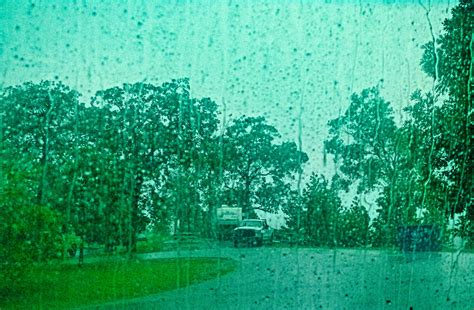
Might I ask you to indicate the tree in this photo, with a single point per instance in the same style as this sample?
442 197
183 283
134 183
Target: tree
157 139
293 208
322 205
365 144
424 169
257 170
38 123
122 119
448 61
187 153
363 141
354 226
29 232
38 119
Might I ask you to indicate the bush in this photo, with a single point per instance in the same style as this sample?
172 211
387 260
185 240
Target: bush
28 234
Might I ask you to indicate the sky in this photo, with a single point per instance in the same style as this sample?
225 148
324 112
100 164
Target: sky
270 58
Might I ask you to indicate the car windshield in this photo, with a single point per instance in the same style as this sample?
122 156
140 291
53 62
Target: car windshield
276 154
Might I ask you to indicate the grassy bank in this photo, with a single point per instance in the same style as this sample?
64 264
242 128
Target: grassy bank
66 286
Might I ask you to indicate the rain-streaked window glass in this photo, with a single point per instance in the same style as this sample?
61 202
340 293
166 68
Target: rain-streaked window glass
236 154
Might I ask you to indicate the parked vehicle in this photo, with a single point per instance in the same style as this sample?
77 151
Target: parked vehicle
252 233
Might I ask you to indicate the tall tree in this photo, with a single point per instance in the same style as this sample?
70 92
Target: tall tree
365 144
38 119
448 61
157 137
353 225
363 140
38 122
29 232
322 205
257 168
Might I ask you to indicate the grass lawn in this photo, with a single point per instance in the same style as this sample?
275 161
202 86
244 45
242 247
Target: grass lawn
65 286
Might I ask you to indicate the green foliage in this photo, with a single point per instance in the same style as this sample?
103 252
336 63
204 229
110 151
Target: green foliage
28 232
354 226
38 132
323 208
258 169
452 54
139 152
454 79
363 140
155 142
293 207
38 120
450 64
365 143
425 162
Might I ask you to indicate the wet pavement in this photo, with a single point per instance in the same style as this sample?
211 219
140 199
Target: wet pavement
306 278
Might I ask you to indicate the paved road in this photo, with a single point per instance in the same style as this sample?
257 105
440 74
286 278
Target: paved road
290 278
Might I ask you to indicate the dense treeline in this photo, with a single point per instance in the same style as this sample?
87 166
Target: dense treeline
420 170
135 157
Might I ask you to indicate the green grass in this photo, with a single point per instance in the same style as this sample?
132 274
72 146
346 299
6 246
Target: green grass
66 286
